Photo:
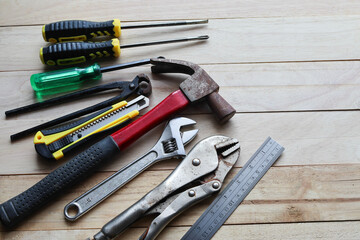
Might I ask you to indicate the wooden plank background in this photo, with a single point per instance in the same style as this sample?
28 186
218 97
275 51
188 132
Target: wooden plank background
290 68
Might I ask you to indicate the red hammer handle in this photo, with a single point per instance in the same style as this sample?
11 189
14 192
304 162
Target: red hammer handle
174 103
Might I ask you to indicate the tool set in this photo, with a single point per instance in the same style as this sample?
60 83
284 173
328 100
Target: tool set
82 165
170 145
199 175
80 30
141 85
68 51
70 79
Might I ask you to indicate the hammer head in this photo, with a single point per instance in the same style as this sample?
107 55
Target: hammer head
199 86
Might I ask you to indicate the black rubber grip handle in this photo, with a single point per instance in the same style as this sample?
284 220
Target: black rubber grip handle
79 30
77 52
16 209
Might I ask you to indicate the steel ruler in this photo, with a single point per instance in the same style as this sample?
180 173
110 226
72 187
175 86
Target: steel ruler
235 192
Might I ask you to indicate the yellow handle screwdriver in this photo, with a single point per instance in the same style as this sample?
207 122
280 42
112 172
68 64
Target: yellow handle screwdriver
68 53
79 30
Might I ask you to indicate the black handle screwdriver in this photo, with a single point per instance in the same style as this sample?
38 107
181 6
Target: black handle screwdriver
77 52
79 30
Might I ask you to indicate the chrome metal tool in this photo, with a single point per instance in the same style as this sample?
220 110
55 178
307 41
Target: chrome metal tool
170 145
235 192
198 176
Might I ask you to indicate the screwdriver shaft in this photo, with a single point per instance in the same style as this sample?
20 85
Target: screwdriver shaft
204 37
125 65
166 24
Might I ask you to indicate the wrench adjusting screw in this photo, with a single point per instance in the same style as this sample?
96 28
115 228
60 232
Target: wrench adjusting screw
196 162
191 193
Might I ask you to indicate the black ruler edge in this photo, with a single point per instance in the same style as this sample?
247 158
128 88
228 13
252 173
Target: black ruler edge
196 232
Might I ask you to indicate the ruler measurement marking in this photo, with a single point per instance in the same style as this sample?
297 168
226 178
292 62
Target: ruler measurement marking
238 188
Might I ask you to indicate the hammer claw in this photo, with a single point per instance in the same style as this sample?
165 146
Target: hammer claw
198 87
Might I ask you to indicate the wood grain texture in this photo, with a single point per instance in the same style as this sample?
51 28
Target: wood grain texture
310 139
21 13
249 40
290 69
296 231
285 194
305 86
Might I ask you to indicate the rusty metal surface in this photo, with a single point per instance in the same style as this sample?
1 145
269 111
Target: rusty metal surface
197 86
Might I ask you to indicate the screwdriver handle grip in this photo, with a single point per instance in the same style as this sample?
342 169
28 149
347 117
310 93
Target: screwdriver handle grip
79 30
77 52
16 209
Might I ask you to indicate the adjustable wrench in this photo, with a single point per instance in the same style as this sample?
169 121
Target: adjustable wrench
198 176
197 87
170 145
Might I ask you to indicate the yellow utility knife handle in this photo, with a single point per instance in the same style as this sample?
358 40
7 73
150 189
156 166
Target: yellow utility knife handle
70 53
79 30
54 145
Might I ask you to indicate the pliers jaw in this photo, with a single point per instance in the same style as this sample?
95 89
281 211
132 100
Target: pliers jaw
209 161
227 152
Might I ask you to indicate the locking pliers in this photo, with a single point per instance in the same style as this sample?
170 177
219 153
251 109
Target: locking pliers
198 176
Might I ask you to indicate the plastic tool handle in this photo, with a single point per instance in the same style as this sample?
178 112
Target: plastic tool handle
67 117
79 30
26 203
174 103
77 52
63 80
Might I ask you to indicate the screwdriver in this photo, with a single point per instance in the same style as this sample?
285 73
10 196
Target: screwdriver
69 79
79 30
77 52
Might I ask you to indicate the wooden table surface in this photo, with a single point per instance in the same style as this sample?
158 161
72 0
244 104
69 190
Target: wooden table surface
290 68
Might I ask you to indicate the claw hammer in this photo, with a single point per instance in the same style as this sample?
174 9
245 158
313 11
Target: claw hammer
198 86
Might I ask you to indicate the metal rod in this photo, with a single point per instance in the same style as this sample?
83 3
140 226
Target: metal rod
204 37
77 94
125 65
62 99
166 24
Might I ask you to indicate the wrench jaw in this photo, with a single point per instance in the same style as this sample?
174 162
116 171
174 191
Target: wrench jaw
172 141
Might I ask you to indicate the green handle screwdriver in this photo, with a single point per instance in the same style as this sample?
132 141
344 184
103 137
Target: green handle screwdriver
72 78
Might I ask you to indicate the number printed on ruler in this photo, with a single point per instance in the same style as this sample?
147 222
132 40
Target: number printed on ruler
239 187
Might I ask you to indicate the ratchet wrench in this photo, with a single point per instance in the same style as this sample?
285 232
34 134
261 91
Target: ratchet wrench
170 145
